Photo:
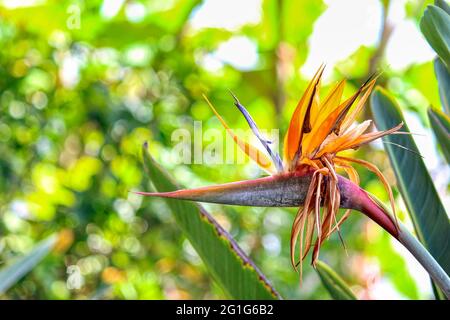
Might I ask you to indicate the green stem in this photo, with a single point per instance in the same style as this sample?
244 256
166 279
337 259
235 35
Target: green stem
290 189
436 272
375 210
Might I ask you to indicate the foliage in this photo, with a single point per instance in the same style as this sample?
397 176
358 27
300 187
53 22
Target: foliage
12 273
440 123
426 210
78 101
231 268
334 284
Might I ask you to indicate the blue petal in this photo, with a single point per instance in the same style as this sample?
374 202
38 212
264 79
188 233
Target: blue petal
265 142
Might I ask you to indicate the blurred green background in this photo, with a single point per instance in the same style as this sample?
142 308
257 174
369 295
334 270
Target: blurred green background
84 83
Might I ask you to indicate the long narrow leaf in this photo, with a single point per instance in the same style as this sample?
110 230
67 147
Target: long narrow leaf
443 77
334 284
440 123
443 5
14 271
435 26
230 266
414 182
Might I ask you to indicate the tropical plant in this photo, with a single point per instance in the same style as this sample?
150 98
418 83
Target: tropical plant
84 84
318 132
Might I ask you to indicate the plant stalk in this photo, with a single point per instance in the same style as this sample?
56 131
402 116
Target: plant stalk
436 272
375 209
290 189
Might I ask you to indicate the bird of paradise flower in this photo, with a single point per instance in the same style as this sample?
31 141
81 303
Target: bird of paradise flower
319 131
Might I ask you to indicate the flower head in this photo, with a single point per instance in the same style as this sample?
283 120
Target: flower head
318 132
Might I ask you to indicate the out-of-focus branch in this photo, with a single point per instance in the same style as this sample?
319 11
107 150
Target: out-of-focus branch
279 63
374 63
386 32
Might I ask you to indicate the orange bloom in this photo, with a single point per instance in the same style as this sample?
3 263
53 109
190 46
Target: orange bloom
318 132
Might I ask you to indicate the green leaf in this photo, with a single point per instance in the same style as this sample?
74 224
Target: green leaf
435 26
14 271
230 266
443 5
413 180
440 123
337 288
443 77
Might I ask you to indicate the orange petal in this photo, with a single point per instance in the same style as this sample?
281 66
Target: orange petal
314 110
332 118
325 122
351 117
256 155
351 100
331 101
294 134
368 137
333 143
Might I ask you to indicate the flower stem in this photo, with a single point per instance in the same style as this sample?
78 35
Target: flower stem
290 189
376 211
436 272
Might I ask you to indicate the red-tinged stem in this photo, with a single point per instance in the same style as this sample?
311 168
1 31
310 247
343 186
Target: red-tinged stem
435 271
361 201
378 213
374 212
290 189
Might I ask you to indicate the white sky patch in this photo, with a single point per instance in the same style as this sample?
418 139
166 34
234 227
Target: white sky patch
69 71
384 290
415 269
110 8
341 30
135 11
272 244
240 52
20 208
407 46
11 4
230 15
211 63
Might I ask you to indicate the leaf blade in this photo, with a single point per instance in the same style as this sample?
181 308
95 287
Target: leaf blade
435 26
443 77
334 284
229 265
13 272
425 208
443 5
440 123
